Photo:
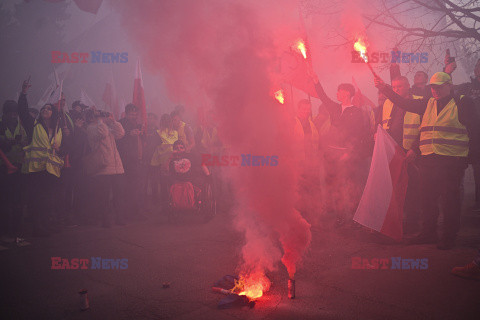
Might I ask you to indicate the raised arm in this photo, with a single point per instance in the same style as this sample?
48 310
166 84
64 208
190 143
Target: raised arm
26 119
417 106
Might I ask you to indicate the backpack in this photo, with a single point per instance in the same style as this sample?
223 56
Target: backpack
182 195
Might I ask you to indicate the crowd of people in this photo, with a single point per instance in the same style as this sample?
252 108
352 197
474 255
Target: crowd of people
82 166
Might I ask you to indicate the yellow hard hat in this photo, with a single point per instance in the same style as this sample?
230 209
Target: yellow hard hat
440 78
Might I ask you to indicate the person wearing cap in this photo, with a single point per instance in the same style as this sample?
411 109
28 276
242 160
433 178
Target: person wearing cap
471 89
448 135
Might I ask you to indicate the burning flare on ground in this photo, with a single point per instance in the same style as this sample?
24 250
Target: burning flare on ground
251 285
300 47
280 96
362 49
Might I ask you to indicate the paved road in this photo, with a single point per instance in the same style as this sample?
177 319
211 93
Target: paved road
191 256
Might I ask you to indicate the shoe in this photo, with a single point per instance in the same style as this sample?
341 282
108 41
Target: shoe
445 244
470 271
422 239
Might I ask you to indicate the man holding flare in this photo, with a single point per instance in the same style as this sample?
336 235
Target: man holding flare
449 135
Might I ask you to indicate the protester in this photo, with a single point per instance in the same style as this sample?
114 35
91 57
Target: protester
348 146
185 132
420 87
151 141
102 163
12 140
64 209
472 89
306 134
77 198
404 128
42 163
162 154
307 137
448 134
187 167
130 149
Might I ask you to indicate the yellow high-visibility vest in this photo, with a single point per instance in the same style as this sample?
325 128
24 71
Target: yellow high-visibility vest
411 123
182 135
309 148
163 152
443 133
40 154
15 154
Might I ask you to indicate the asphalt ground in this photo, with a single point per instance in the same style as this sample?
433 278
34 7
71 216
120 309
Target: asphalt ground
188 257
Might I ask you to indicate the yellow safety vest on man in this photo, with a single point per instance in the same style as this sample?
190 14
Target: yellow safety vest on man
164 151
40 154
182 136
15 154
306 148
443 133
411 123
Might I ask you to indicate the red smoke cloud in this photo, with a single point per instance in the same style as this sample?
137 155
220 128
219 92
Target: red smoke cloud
223 54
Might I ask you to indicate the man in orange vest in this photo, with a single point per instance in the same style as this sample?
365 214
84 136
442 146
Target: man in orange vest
448 134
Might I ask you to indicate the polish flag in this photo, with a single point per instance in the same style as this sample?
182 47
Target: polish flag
381 206
56 94
139 95
85 99
110 98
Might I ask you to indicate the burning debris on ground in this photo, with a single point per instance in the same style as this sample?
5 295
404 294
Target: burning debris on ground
298 165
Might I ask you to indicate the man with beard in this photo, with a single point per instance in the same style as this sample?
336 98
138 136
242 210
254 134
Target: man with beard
448 135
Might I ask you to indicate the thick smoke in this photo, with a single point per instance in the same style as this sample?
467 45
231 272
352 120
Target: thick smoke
224 55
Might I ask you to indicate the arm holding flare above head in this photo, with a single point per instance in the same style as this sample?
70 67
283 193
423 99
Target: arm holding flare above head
417 106
330 105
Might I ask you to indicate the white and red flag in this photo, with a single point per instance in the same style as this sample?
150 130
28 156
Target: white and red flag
85 99
381 205
110 98
56 94
139 95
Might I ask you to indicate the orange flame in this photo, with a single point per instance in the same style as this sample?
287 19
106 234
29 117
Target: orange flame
362 49
280 96
300 46
252 285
